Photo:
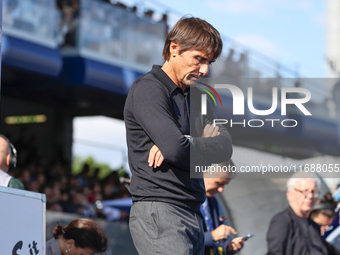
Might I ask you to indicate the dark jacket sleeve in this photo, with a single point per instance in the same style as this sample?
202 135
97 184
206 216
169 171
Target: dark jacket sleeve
277 234
214 149
330 248
154 114
208 240
209 243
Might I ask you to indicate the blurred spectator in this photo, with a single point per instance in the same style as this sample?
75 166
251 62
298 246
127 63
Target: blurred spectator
81 236
95 191
121 5
292 232
63 3
336 97
69 22
75 4
75 194
8 158
41 180
217 234
64 191
231 68
33 186
297 84
9 7
148 13
323 212
25 177
165 21
242 65
54 207
83 206
84 177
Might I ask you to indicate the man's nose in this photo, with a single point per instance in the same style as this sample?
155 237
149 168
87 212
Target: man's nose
220 189
204 69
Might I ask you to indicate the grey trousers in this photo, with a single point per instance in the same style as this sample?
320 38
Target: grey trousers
162 228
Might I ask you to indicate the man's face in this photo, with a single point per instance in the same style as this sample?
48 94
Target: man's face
190 66
214 185
323 221
5 154
302 199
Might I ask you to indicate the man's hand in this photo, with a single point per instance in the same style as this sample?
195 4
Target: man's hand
155 157
210 131
235 245
222 232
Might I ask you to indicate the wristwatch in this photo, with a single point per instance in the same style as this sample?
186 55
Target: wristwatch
189 138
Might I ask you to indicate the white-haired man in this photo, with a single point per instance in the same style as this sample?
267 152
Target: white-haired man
292 232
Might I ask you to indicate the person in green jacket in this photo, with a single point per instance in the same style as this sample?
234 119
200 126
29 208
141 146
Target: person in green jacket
8 159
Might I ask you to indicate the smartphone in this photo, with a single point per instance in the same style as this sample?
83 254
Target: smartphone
247 237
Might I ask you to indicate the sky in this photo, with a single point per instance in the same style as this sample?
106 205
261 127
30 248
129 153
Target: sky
289 31
101 137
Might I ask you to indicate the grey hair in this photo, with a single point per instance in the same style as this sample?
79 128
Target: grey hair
295 178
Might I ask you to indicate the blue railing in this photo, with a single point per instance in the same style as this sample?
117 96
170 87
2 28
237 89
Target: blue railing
112 33
129 37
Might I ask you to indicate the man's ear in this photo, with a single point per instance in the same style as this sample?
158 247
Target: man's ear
174 49
7 159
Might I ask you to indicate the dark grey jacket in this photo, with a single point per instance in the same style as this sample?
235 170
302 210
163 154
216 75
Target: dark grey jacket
156 113
289 234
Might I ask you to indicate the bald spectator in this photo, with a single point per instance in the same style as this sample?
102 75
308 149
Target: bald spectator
8 158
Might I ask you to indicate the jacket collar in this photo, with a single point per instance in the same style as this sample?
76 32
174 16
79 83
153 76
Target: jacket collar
165 79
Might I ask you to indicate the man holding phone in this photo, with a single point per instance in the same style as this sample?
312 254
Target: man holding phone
217 235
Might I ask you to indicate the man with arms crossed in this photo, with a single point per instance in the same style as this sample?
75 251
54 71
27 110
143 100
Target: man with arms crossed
165 217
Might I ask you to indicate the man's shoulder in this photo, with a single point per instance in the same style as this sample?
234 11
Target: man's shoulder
145 77
15 183
147 81
152 75
283 216
280 224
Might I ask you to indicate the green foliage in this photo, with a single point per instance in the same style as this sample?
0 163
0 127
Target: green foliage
104 169
77 165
